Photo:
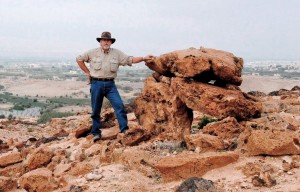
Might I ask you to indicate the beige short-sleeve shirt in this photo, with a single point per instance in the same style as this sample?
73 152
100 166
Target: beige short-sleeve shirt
105 65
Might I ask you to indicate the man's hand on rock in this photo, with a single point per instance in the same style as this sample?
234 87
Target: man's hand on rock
148 58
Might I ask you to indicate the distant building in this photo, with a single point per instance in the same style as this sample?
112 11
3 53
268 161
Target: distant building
56 78
277 75
73 72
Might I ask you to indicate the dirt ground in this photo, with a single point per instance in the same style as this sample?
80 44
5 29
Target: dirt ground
266 84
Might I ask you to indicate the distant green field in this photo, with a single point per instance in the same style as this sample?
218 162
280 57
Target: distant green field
69 101
46 106
45 117
20 103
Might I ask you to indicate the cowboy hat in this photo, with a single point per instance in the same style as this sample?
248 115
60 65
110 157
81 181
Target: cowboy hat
106 35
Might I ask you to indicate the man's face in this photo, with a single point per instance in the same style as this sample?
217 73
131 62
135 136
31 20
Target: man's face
105 44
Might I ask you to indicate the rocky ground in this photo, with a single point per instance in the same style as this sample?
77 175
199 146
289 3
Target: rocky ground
252 146
52 156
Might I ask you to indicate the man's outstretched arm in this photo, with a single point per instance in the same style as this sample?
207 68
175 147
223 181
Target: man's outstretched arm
140 59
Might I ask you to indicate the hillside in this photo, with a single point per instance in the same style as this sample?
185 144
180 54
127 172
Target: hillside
185 133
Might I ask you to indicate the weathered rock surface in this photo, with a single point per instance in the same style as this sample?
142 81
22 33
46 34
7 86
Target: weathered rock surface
38 180
270 142
160 112
215 101
140 160
80 168
265 178
39 158
192 165
202 64
228 128
134 136
7 184
204 142
10 158
61 168
278 121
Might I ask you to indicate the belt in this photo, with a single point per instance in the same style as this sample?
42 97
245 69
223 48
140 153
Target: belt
101 79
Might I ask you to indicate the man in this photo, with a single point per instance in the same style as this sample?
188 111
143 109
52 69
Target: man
104 63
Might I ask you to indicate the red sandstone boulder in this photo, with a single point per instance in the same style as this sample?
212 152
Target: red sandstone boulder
160 112
80 168
15 170
83 131
139 160
215 101
228 128
38 180
60 169
270 142
7 159
184 166
40 157
204 142
202 64
134 136
7 184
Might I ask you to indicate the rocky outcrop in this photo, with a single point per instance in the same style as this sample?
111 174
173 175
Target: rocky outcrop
160 145
215 101
182 84
203 63
70 163
160 111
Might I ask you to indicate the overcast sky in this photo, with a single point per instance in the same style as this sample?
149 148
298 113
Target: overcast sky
252 29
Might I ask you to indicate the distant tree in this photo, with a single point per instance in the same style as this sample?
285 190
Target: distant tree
10 117
136 94
45 117
127 88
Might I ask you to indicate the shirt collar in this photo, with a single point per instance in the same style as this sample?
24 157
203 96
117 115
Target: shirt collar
103 50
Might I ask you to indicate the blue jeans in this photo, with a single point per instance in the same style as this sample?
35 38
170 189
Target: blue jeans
108 89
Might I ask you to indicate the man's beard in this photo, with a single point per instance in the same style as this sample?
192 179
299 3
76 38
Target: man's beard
105 47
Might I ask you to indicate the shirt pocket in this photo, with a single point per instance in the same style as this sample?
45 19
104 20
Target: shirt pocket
114 65
96 63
